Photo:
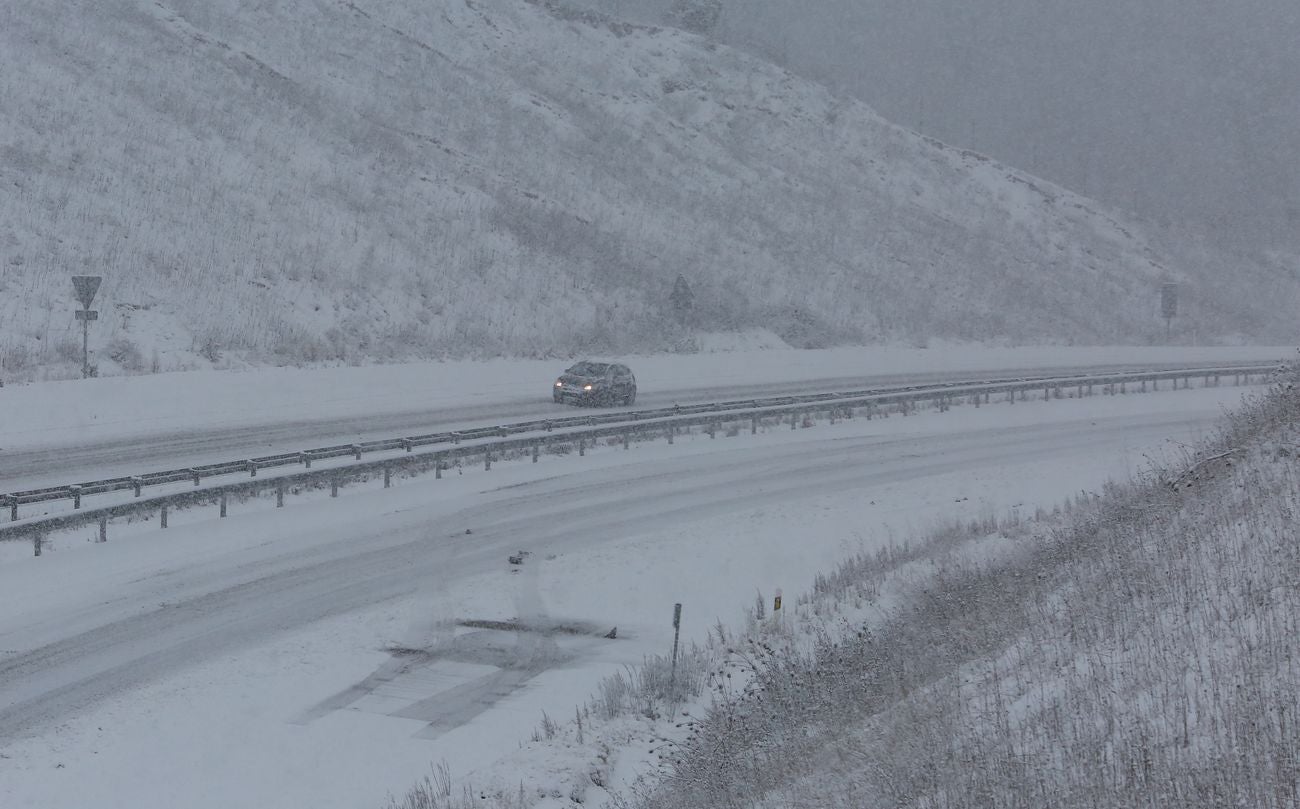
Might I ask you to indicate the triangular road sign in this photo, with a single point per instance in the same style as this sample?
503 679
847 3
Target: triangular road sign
86 286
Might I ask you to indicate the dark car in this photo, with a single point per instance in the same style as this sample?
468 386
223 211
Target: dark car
596 383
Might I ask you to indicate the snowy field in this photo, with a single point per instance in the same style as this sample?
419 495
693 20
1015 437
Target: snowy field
257 661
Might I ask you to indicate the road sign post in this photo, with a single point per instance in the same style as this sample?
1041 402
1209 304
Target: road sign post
85 287
677 631
1168 305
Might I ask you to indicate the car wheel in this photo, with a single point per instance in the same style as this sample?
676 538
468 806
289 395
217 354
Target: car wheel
630 399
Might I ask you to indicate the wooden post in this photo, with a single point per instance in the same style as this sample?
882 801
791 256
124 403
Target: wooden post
252 469
356 451
223 504
582 447
625 441
388 477
279 495
135 484
536 450
195 473
103 529
753 425
334 487
162 517
487 459
76 496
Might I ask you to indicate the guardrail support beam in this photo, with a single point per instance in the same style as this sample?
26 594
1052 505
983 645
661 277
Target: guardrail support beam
75 491
162 517
388 477
279 495
103 529
135 484
536 450
223 504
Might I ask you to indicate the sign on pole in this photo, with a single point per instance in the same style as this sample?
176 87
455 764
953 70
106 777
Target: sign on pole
86 287
1169 300
1168 305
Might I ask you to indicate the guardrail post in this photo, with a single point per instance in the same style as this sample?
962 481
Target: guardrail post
103 529
162 517
455 438
388 477
279 494
252 469
437 468
549 426
334 487
1144 386
625 440
75 491
582 447
37 541
536 450
356 451
672 428
1123 387
713 430
487 459
223 504
135 484
306 460
794 420
753 425
195 474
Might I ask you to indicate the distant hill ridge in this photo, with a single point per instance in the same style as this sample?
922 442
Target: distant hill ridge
306 182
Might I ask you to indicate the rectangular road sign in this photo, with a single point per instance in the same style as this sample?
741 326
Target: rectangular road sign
87 314
86 287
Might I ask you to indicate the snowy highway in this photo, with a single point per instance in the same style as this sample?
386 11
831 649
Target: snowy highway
261 621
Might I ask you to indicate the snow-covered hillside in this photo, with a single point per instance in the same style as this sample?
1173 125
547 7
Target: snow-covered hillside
309 180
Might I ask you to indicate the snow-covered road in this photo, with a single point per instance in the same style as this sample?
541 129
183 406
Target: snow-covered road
55 433
239 661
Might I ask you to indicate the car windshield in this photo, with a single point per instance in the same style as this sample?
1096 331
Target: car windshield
588 369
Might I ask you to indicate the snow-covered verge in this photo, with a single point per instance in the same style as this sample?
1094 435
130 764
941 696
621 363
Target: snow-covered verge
1134 649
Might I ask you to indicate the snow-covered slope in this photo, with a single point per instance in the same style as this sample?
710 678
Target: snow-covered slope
312 180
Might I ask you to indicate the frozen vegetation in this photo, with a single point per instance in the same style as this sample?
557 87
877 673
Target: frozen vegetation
1133 648
372 181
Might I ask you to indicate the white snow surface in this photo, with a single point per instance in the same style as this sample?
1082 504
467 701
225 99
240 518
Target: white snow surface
247 662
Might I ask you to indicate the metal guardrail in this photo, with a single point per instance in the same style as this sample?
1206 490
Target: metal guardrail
496 441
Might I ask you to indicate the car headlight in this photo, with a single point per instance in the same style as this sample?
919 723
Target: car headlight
586 387
559 384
